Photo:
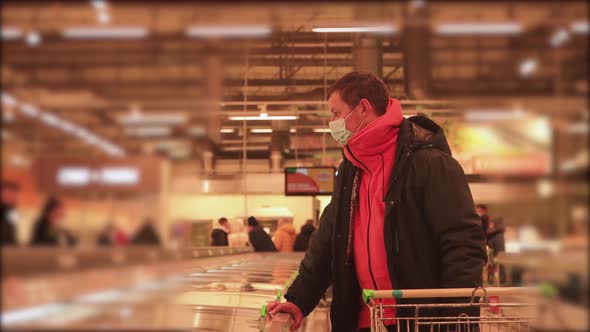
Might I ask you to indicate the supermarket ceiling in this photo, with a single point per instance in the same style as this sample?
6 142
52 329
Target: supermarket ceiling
140 76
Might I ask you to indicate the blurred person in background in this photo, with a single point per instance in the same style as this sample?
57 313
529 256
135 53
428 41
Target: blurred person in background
146 234
496 242
47 230
237 235
259 239
112 235
413 223
482 211
219 233
284 237
302 239
10 192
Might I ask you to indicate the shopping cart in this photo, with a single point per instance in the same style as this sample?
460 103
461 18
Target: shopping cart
516 316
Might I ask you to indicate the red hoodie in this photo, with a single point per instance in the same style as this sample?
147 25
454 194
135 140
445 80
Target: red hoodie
372 150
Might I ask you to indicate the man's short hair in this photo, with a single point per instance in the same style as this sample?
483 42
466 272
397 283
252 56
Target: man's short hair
222 220
358 85
482 206
252 221
7 184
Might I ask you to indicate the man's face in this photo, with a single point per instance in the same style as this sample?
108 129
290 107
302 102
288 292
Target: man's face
340 110
480 211
9 196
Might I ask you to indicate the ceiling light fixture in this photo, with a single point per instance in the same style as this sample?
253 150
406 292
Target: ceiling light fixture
266 118
8 100
228 31
385 29
105 33
11 33
33 38
580 27
472 28
528 67
559 37
261 130
29 110
226 130
138 118
321 130
150 131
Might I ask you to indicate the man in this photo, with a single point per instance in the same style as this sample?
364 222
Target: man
302 239
401 216
259 239
482 211
219 234
10 192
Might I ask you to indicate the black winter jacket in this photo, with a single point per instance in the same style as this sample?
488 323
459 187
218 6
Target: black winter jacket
302 239
433 236
219 238
260 240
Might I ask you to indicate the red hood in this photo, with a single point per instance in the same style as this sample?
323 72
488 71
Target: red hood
378 136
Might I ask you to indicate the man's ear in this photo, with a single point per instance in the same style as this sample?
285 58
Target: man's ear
366 106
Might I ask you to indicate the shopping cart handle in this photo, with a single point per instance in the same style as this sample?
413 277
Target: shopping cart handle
369 294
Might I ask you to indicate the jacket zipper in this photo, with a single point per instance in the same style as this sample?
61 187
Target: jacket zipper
369 222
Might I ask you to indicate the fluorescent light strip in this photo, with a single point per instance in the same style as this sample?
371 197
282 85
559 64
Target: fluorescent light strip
368 29
528 67
8 100
559 37
261 130
499 28
150 131
11 33
321 130
226 130
54 121
30 314
293 130
580 27
228 31
264 118
153 119
29 110
105 33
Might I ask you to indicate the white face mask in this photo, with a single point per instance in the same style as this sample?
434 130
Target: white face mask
339 131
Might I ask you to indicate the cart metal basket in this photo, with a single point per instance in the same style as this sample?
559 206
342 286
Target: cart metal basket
497 316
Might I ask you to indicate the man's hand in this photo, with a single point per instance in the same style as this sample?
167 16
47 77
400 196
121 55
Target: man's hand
287 307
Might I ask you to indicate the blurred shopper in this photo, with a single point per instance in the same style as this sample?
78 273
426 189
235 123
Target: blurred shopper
259 239
237 237
112 235
147 234
47 230
219 234
105 238
9 212
412 225
302 239
496 242
482 211
284 237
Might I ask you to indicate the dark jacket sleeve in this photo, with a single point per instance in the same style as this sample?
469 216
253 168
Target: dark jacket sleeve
315 269
450 212
218 238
